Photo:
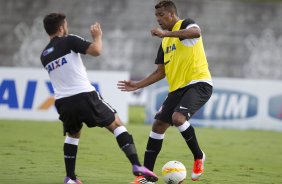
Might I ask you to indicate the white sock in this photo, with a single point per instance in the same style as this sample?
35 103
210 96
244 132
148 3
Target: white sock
156 135
119 130
184 126
70 140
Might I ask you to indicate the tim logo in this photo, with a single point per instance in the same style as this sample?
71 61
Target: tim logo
275 107
228 104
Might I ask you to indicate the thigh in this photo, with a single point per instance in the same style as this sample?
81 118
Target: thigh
69 115
194 98
96 111
166 110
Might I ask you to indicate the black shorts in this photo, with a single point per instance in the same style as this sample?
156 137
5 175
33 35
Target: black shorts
185 100
88 108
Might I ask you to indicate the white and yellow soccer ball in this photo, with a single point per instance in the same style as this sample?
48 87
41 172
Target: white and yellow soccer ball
173 172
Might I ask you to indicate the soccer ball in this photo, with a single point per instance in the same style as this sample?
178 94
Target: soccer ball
173 172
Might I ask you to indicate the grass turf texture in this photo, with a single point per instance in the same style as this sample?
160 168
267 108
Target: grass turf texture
31 153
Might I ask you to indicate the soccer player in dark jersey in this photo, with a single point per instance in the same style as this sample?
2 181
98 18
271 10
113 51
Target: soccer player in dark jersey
181 59
76 100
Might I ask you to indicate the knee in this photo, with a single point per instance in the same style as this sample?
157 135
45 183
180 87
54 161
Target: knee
117 121
160 127
115 124
74 135
178 119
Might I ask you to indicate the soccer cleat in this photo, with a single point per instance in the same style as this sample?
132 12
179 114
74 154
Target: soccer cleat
70 181
143 171
198 168
141 180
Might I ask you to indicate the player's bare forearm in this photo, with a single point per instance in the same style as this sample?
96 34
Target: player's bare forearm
190 33
151 79
95 47
129 85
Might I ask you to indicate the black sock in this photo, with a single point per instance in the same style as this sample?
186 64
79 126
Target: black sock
153 149
125 142
191 140
70 152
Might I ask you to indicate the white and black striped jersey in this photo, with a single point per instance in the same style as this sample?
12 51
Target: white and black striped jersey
61 58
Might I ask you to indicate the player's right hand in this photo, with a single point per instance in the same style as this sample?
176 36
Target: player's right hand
158 32
127 85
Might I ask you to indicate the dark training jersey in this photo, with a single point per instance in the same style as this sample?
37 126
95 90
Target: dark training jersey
61 58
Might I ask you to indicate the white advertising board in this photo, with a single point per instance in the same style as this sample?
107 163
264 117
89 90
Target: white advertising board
27 93
235 103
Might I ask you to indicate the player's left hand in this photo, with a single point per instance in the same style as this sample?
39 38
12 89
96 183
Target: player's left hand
96 30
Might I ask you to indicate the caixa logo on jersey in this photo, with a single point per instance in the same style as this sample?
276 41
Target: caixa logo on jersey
275 107
14 96
228 104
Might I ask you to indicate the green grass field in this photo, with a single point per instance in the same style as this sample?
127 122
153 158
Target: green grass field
31 153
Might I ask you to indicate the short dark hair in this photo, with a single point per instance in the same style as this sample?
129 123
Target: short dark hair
167 4
53 21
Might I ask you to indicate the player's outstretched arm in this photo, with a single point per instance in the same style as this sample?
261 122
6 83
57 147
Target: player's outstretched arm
130 85
95 47
193 32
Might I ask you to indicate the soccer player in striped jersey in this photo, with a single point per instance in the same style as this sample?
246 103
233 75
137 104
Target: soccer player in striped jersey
181 59
76 100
